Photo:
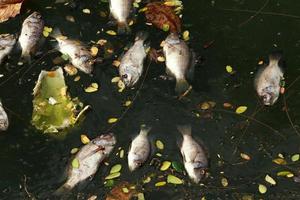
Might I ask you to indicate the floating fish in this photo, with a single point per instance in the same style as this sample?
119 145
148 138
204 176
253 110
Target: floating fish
7 42
194 155
180 61
139 149
86 162
120 10
132 63
31 34
3 119
79 55
268 80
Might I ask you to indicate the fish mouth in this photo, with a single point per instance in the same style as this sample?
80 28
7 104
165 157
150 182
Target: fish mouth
267 99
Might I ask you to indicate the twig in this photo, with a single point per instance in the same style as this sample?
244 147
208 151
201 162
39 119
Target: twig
255 14
288 115
25 188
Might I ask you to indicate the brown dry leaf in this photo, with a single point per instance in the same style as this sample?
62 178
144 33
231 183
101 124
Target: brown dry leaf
9 8
122 191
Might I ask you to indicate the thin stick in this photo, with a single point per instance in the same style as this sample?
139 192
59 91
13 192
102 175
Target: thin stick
253 119
25 188
133 100
294 81
288 115
264 13
255 14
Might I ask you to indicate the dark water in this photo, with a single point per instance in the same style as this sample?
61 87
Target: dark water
238 42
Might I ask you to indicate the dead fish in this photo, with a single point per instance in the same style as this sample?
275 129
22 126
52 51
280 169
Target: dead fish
139 149
31 34
89 157
7 42
120 10
194 155
79 55
132 62
180 62
268 80
3 119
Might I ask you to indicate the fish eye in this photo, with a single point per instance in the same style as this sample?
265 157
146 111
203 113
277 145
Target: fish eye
124 76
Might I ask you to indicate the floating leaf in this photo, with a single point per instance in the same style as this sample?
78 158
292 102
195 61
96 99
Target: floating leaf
65 57
113 176
165 165
260 62
147 179
111 32
121 86
227 105
295 157
92 88
159 145
115 79
160 184
70 70
94 51
158 154
112 120
160 59
177 166
241 109
279 161
174 180
245 156
186 35
116 63
122 153
285 173
270 180
165 27
229 69
109 183
262 189
74 150
102 42
125 190
86 11
77 78
116 168
140 196
127 103
224 182
75 163
84 139
205 106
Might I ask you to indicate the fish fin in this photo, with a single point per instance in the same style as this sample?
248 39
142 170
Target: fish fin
145 129
141 35
192 63
65 188
25 57
276 57
185 129
55 33
123 28
181 86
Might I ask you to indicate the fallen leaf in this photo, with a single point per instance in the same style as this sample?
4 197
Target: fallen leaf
74 150
165 165
147 179
116 168
285 173
241 109
70 70
86 11
270 180
122 153
140 196
70 18
127 103
75 163
159 145
92 88
160 184
121 86
229 69
115 79
112 120
116 63
94 51
84 139
177 166
174 180
224 182
262 189
160 59
245 156
279 161
111 32
227 105
113 176
102 42
295 157
9 8
186 35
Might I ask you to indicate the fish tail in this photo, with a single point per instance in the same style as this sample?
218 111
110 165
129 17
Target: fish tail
185 129
25 57
275 57
123 28
55 33
141 35
181 86
145 129
65 188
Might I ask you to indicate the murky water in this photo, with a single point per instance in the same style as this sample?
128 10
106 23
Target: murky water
239 40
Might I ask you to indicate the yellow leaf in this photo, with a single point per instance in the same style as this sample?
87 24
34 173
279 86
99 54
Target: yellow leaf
160 59
262 189
84 139
112 120
159 144
186 35
245 156
70 70
260 62
115 79
86 11
122 153
165 165
112 176
127 103
147 179
74 150
116 168
116 63
94 51
111 32
140 196
77 78
121 86
92 88
174 180
75 163
285 173
270 180
45 33
229 69
279 161
241 109
102 42
224 182
159 184
295 157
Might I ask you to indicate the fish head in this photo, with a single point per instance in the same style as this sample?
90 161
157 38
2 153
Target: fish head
105 140
129 77
196 171
86 64
134 164
172 39
269 96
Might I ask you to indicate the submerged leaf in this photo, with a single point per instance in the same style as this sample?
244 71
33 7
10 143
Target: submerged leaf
113 176
116 168
177 166
174 180
159 145
112 120
160 184
165 165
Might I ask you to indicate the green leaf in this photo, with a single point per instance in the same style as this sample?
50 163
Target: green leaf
166 27
65 57
75 163
295 157
174 180
165 165
177 166
113 176
262 188
109 183
159 145
116 168
241 109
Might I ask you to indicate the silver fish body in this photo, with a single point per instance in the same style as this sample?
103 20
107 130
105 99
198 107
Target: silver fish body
7 42
194 155
267 80
4 123
89 157
132 63
139 149
120 10
31 33
179 61
79 55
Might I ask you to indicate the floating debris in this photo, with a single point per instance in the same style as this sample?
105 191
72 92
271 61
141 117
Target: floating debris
4 123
